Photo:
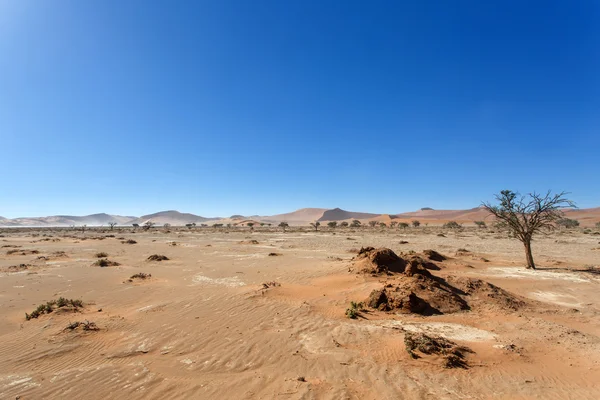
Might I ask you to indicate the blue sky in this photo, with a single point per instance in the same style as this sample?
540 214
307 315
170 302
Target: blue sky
260 107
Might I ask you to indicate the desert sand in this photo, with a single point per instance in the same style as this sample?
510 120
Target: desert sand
240 314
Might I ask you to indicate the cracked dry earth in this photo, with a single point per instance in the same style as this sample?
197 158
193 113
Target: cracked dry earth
221 319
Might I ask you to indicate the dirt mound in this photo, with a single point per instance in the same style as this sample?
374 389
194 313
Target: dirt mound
376 261
452 354
485 293
416 261
418 291
434 255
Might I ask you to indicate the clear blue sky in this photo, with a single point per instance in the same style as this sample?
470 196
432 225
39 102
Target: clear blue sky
261 107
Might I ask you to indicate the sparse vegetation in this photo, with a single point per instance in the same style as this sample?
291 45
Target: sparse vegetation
283 226
104 262
315 225
402 225
140 275
101 255
332 224
271 284
22 252
50 306
112 225
480 224
355 223
157 257
452 225
354 310
128 241
344 224
372 224
453 355
148 225
85 326
567 223
528 216
416 224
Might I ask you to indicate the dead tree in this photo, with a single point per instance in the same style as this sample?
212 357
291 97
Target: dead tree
528 215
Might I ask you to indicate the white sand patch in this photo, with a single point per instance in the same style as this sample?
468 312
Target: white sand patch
233 281
555 298
522 273
14 380
447 330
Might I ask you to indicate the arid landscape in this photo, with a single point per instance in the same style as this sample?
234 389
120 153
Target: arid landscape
239 312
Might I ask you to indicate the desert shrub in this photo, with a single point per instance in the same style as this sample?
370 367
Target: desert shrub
103 262
50 306
402 225
453 355
86 326
416 224
129 241
270 284
567 223
344 224
452 225
140 275
355 223
480 224
101 255
332 224
157 257
353 311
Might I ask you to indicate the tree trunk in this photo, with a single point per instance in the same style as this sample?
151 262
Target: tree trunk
528 254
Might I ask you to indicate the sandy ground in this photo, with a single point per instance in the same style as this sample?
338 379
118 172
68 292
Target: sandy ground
204 327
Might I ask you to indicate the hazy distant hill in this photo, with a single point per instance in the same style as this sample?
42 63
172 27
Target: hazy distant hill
587 217
67 220
301 216
337 214
172 217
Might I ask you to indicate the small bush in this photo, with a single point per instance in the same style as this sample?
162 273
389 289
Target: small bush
354 310
140 275
129 241
103 262
101 255
271 284
157 257
452 225
86 326
52 305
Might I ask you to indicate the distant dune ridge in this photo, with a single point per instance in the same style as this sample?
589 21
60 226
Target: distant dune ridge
303 216
172 217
